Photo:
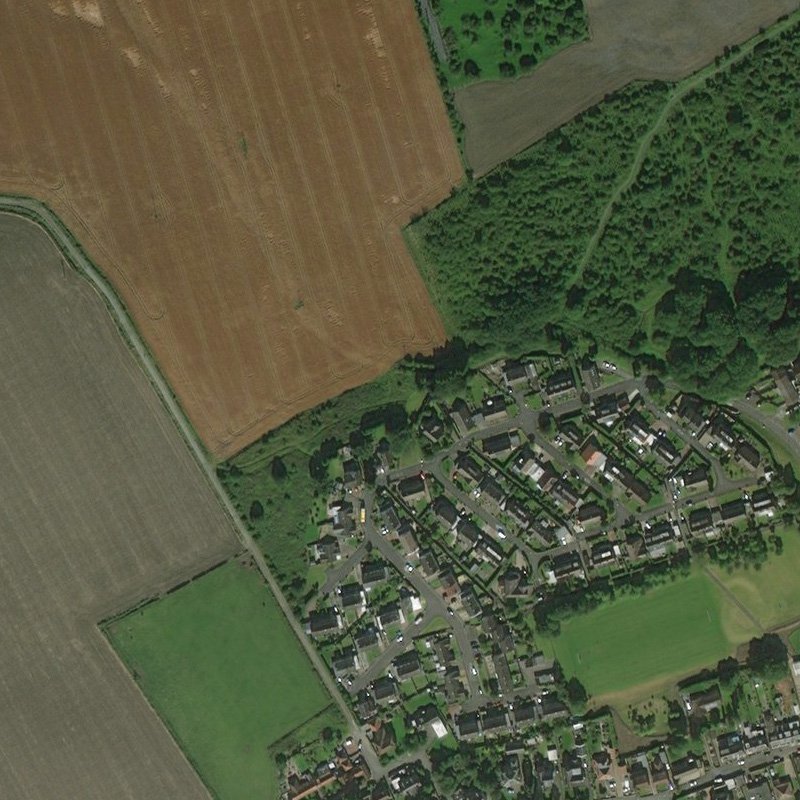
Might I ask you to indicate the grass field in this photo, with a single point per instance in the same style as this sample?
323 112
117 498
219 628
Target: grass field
638 641
222 667
772 593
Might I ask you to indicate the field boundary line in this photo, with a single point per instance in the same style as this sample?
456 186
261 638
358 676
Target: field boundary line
57 232
734 599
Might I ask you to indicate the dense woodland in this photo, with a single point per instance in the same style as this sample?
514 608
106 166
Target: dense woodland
697 271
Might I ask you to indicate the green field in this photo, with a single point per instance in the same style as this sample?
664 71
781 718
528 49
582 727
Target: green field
223 669
637 641
772 593
487 39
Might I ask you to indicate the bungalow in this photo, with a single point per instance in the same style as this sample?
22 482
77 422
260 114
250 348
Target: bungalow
518 511
515 373
590 514
701 520
495 720
560 383
501 444
412 489
696 478
490 489
407 665
323 623
407 538
445 511
467 468
748 454
373 572
467 725
384 690
352 595
733 511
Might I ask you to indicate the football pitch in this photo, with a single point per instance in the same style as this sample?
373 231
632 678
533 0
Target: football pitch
223 669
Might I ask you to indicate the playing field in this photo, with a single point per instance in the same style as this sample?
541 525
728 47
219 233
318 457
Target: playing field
102 506
222 667
671 631
630 40
240 172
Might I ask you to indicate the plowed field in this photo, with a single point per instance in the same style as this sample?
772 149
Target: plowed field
101 505
240 172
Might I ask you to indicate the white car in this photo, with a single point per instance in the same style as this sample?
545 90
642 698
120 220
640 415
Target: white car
409 567
501 532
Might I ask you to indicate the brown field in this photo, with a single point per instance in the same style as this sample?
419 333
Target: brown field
101 507
240 172
630 40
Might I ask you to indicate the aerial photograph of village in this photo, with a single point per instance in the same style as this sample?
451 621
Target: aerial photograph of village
400 399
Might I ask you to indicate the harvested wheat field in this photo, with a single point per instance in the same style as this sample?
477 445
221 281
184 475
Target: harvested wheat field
629 40
101 505
240 172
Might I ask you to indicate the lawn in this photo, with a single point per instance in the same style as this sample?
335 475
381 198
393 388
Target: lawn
772 593
220 664
639 640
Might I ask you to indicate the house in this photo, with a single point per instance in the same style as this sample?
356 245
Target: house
762 502
573 767
515 373
590 514
565 565
390 614
412 489
552 708
323 623
524 713
729 745
657 538
373 572
432 428
545 677
449 585
341 516
786 388
640 776
407 538
494 409
608 407
461 415
490 489
696 478
366 638
722 433
592 455
351 595
634 544
601 761
467 725
602 553
545 772
388 514
469 533
352 473
635 487
733 511
470 602
639 430
366 707
786 731
422 715
384 690
590 375
345 662
501 444
666 451
686 769
382 737
701 520
445 511
690 412
518 512
707 700
467 468
748 454
564 493
755 738
327 550
560 383
513 583
495 720
407 665
428 562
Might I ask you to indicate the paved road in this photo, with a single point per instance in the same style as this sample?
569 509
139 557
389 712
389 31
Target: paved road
45 219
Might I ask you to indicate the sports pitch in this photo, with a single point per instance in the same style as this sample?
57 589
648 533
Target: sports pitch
223 669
